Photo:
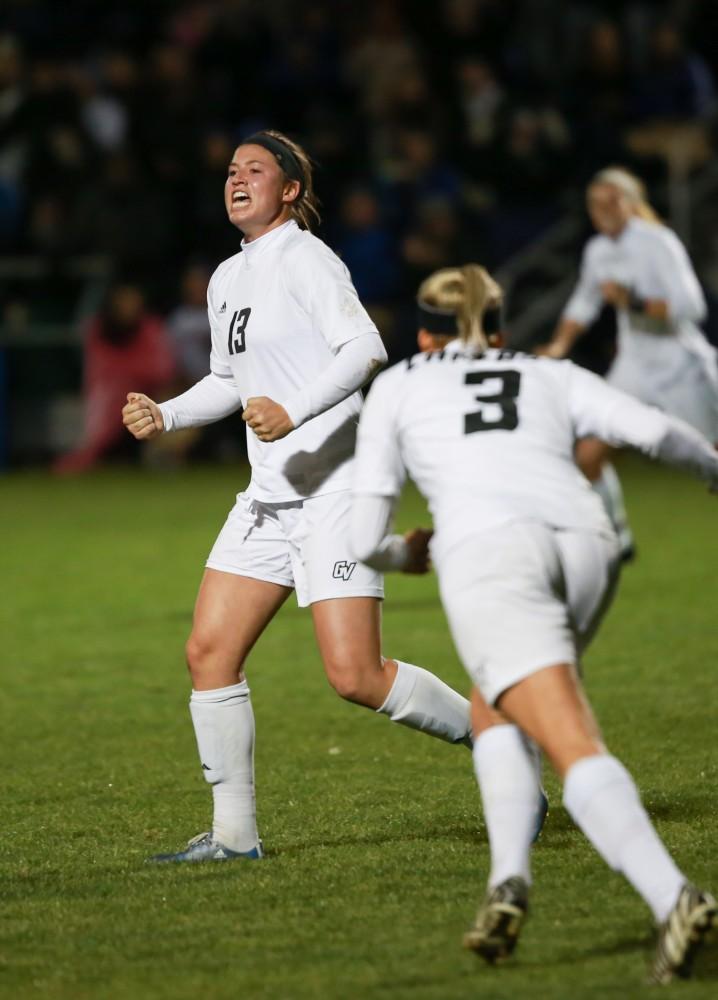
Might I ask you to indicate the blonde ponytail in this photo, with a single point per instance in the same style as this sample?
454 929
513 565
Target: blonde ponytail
467 292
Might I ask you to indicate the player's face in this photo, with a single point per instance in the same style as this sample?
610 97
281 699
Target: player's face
609 208
256 195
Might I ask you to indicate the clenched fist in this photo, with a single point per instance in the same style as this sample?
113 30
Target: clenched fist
418 545
268 419
142 416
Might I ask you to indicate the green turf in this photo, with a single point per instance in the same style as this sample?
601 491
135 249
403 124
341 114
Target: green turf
376 849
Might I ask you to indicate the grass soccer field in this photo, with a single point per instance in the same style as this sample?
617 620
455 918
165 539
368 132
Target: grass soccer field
376 850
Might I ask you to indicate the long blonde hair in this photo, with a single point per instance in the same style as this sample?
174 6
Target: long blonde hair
305 208
466 291
631 187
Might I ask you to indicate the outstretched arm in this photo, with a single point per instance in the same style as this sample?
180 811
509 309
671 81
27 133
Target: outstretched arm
372 542
599 410
211 399
567 332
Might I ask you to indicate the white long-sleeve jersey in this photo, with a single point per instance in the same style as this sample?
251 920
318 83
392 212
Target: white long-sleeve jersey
489 439
287 323
650 260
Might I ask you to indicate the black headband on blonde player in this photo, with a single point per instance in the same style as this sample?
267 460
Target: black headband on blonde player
631 187
462 302
296 166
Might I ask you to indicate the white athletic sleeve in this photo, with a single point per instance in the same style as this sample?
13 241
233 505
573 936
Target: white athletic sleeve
586 300
378 464
379 475
599 410
211 399
675 278
321 285
353 366
370 540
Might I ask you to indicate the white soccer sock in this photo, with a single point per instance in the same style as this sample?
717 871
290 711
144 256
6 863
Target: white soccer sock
608 487
224 725
420 700
603 801
510 789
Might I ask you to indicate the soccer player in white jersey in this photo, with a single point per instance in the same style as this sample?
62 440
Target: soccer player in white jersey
526 560
640 267
293 345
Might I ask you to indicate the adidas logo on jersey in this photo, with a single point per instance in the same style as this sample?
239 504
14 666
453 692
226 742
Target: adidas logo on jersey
223 308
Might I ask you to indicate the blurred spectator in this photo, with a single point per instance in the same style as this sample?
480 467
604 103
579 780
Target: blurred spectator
435 240
481 98
598 98
210 216
13 139
125 347
381 58
366 246
188 327
123 216
676 82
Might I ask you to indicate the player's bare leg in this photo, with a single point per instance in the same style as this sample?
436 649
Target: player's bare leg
348 632
230 614
593 457
603 801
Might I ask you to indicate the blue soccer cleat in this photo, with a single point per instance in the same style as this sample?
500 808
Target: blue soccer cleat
204 847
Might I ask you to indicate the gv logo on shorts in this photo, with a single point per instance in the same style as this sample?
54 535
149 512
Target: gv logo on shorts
343 570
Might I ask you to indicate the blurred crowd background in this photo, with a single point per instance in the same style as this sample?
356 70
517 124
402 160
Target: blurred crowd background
444 131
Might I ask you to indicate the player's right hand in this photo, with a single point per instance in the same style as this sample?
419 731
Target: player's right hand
142 416
418 545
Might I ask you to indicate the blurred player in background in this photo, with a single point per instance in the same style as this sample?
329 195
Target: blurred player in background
293 345
641 268
526 560
124 344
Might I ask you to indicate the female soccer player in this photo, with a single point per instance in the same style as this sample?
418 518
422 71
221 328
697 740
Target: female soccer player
640 267
526 561
292 344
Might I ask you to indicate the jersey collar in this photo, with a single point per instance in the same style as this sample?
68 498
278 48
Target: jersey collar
251 252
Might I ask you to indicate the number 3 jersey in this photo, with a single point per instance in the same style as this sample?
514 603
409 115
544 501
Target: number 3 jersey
280 311
488 439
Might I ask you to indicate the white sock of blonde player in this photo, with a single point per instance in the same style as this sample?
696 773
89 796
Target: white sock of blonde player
603 801
224 726
608 487
510 790
420 700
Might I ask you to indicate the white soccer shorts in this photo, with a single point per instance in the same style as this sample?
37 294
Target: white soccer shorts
524 597
302 544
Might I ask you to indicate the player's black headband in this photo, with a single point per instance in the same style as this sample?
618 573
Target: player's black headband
443 322
284 155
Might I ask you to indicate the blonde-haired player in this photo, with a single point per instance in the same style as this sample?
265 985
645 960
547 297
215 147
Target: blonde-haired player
526 560
293 345
639 266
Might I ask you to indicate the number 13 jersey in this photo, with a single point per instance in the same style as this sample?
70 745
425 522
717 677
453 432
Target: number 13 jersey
488 439
279 312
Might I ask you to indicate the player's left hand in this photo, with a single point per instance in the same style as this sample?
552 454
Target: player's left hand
418 543
615 294
268 419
